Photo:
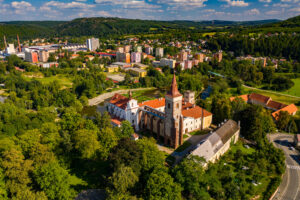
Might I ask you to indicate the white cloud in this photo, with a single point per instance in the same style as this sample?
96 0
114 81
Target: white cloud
236 3
22 6
273 12
194 3
297 10
265 1
129 3
73 4
253 11
290 1
282 5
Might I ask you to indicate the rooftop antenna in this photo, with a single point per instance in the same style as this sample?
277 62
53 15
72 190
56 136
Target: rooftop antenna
5 44
20 50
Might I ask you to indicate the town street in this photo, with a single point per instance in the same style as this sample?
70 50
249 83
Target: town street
289 188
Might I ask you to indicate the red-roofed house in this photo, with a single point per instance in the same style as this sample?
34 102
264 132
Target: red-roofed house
124 108
291 109
268 103
158 104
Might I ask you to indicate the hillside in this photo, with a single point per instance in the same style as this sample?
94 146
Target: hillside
109 26
292 22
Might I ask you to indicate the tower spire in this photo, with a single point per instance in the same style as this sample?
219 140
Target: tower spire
173 92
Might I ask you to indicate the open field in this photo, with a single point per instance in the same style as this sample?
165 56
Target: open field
209 34
295 91
61 79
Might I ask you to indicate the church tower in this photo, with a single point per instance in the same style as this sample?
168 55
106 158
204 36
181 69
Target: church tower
173 108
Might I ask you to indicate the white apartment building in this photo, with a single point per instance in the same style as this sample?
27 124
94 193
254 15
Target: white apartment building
167 62
92 44
159 52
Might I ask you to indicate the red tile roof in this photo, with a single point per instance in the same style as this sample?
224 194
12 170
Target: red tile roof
245 97
195 112
116 121
291 109
259 97
186 105
119 101
275 105
156 103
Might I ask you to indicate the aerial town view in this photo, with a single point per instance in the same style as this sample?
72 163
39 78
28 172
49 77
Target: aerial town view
150 100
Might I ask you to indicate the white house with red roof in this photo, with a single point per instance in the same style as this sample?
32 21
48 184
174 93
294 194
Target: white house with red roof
122 108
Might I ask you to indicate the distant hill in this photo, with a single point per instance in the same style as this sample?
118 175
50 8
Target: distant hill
104 26
116 26
291 23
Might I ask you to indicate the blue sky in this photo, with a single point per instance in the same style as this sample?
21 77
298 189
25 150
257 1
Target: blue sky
237 10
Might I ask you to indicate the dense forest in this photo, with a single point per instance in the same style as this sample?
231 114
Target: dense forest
279 46
101 27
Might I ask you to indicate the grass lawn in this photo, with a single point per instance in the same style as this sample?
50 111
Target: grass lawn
239 145
199 132
183 147
145 95
61 79
295 90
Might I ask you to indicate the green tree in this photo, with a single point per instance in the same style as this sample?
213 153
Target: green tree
108 140
160 185
190 174
126 153
123 179
54 181
17 171
86 142
126 129
221 108
151 157
283 120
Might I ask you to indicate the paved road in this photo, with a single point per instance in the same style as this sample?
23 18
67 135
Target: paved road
289 188
102 97
287 95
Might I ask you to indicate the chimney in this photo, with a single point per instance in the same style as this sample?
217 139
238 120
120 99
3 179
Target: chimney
202 118
20 50
5 44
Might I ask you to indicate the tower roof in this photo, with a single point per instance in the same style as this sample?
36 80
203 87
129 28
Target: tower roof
173 92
